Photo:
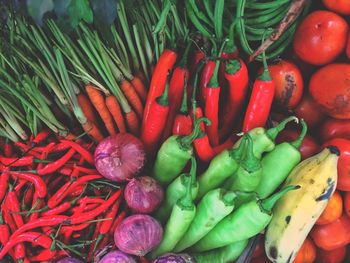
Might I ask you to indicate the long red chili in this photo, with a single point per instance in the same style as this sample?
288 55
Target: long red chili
4 230
236 74
17 162
183 121
41 136
40 186
155 124
117 222
45 254
36 238
45 153
36 204
207 73
260 101
54 166
4 180
19 252
159 78
81 150
13 206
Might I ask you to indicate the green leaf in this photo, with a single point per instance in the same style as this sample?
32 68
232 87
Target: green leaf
105 11
80 9
37 9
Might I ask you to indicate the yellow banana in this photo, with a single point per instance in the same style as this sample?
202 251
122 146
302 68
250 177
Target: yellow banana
296 212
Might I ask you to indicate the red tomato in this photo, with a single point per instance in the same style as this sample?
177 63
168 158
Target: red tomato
343 162
334 128
330 88
347 203
333 235
307 252
333 210
320 37
288 83
308 110
339 6
332 256
309 146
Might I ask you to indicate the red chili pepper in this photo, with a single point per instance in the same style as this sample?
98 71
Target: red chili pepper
159 78
81 150
41 136
36 204
40 186
92 214
13 206
155 124
8 149
117 222
17 162
35 152
93 244
226 145
45 153
8 218
57 210
236 74
67 231
19 252
334 128
5 231
37 239
28 195
207 73
260 101
176 90
90 200
54 166
4 180
65 171
45 254
85 170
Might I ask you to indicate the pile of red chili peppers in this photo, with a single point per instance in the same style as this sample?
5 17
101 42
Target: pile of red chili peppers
54 200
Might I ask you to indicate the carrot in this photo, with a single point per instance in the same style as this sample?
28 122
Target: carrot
132 96
140 88
141 76
87 107
97 100
114 108
91 129
132 122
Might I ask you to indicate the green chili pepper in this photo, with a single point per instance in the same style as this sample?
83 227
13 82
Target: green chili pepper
174 154
264 140
248 175
220 168
244 197
180 220
245 222
287 156
213 207
175 191
225 254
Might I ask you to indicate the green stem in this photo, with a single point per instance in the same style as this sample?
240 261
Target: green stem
163 16
163 99
265 76
214 80
187 202
273 132
268 203
186 141
184 108
228 197
297 143
250 162
218 18
237 153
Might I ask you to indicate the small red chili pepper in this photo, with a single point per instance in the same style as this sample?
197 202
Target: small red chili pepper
236 74
85 170
4 180
41 136
45 153
117 222
67 231
20 184
58 210
81 150
45 254
8 148
4 230
156 120
40 186
8 218
19 252
35 152
54 166
260 101
94 213
28 196
36 204
13 206
207 73
226 145
65 171
90 200
17 162
37 239
165 64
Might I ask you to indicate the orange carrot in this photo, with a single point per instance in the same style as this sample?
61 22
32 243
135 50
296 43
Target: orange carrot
132 122
97 100
132 96
91 129
141 76
87 107
114 108
140 88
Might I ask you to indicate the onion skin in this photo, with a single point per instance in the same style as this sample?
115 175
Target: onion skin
120 157
143 194
174 258
69 260
117 256
138 234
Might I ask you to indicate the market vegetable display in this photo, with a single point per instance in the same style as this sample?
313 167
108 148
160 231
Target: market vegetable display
174 131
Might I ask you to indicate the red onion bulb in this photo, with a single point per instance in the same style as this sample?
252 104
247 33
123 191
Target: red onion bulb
138 234
117 256
120 157
174 258
69 260
143 194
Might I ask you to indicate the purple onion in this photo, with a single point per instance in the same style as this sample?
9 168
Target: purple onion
138 234
174 258
143 194
120 157
117 256
69 260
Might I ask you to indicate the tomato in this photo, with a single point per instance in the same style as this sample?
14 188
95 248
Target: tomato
343 162
331 256
288 83
309 110
347 203
330 88
339 6
333 210
309 146
333 235
307 252
320 37
334 128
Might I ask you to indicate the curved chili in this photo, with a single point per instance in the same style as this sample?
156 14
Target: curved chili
40 186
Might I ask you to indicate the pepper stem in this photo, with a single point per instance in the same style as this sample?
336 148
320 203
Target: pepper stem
273 132
183 61
250 162
186 201
237 153
228 197
233 66
297 143
163 99
184 108
187 140
265 76
214 81
193 171
231 47
268 203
